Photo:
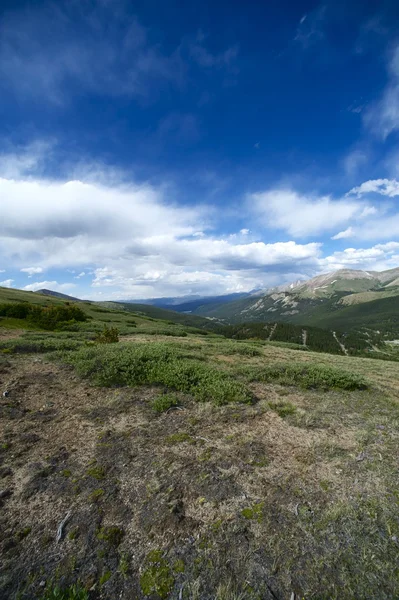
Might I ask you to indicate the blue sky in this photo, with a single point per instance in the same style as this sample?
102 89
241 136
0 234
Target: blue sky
169 148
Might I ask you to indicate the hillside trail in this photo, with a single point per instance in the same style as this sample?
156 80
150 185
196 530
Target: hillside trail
344 350
273 329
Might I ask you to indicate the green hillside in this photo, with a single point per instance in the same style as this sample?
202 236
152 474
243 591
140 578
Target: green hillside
381 315
164 314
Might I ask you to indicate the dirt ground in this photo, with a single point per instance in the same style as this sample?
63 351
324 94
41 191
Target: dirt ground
200 502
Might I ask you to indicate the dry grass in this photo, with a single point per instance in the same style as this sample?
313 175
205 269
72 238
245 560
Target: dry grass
229 503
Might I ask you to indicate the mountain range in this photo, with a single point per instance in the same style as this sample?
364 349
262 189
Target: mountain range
343 300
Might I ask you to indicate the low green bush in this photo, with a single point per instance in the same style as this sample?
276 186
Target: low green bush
157 363
51 344
164 402
73 592
109 335
241 349
46 317
308 376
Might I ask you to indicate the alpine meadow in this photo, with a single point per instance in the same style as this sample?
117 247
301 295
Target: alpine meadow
199 300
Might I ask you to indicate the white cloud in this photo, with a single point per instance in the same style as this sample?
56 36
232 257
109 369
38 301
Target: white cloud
49 285
354 161
344 234
385 187
2 270
7 283
378 258
382 118
32 270
368 211
204 58
44 56
137 243
135 239
302 215
42 53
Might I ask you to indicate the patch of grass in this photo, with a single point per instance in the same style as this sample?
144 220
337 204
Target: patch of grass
254 512
141 364
97 472
178 566
66 473
112 535
123 567
164 402
308 376
283 409
241 349
157 578
96 495
23 533
73 592
73 534
178 438
104 577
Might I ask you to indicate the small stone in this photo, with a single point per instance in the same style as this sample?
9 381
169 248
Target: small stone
6 393
394 538
380 426
42 583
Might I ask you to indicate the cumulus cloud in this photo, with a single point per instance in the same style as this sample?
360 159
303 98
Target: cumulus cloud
301 215
385 187
347 233
31 270
378 258
136 242
7 283
134 239
49 285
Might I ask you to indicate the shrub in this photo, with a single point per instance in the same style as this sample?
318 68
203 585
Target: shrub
46 317
157 364
49 344
109 335
164 402
309 376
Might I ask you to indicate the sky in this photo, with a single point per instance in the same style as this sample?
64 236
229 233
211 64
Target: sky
153 148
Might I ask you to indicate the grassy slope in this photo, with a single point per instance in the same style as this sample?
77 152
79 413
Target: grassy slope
164 314
362 297
378 314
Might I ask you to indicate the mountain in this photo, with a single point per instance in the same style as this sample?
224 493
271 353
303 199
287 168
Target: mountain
58 295
190 303
342 299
